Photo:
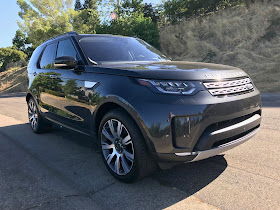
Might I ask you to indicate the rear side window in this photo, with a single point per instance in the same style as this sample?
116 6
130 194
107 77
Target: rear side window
34 58
66 48
48 57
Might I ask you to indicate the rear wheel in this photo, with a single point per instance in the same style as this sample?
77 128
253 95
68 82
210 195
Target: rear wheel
36 122
124 150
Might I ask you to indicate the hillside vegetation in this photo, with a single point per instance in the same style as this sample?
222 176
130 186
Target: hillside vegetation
13 80
248 38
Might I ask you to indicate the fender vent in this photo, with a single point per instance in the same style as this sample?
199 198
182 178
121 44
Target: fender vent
230 87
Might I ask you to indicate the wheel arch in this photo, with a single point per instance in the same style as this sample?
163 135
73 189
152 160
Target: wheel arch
28 96
118 103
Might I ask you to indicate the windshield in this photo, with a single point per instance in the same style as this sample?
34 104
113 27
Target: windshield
104 49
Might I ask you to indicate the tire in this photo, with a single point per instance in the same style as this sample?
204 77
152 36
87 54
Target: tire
123 148
36 121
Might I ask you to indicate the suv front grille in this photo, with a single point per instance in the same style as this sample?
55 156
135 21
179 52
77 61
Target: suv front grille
231 87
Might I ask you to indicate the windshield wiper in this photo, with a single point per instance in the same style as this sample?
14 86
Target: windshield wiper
92 61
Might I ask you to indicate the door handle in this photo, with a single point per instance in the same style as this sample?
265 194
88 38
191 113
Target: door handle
34 73
53 76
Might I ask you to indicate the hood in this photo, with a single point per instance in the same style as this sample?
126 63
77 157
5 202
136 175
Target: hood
170 70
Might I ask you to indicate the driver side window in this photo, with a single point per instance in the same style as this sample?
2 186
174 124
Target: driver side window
66 48
46 61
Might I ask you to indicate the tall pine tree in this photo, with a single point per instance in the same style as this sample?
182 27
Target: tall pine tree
90 4
78 5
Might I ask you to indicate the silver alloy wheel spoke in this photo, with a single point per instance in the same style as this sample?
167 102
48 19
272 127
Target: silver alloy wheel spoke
124 164
128 155
32 115
119 129
117 164
117 147
35 124
107 135
107 146
111 126
31 105
110 157
126 140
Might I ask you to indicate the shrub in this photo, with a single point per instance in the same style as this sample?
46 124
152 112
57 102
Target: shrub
136 25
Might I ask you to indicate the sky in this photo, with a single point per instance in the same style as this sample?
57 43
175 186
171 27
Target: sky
9 17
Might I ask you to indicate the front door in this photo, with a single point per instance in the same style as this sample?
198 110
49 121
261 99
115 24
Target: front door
65 99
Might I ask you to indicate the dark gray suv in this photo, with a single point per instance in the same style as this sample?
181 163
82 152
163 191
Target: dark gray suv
144 110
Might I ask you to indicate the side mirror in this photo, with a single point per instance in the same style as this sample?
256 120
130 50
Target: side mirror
65 62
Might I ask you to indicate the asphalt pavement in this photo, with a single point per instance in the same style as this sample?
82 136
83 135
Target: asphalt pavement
64 170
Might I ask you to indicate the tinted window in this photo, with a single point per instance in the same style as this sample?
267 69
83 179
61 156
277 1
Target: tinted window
35 56
66 48
104 49
48 56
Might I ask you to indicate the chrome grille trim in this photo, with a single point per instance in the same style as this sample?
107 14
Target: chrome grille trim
231 83
229 87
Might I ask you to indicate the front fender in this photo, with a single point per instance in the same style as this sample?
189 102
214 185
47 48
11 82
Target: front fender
126 106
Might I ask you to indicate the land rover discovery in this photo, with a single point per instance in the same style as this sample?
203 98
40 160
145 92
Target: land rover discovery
144 109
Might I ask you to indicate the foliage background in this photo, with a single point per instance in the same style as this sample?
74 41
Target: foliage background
246 37
243 33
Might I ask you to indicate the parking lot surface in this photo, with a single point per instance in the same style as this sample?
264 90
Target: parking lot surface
64 169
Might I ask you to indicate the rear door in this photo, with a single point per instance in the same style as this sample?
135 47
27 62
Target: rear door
43 82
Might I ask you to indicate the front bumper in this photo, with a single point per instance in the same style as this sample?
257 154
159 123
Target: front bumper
197 126
226 139
200 155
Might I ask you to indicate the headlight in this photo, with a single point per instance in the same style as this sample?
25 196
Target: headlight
172 87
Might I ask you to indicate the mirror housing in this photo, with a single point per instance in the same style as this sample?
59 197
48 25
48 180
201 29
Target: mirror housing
65 62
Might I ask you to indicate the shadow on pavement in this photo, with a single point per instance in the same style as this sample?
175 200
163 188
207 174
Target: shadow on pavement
191 177
12 95
65 158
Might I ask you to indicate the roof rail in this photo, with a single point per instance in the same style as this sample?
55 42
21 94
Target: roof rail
65 34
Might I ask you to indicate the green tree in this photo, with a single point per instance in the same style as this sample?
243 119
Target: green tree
87 18
146 29
136 25
150 11
44 82
86 21
90 4
44 19
131 21
10 55
71 88
130 7
21 42
78 5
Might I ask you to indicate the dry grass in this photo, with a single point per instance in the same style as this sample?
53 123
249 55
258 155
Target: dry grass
13 80
248 38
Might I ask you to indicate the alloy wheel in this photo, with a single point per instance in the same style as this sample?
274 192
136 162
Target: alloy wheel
117 147
33 114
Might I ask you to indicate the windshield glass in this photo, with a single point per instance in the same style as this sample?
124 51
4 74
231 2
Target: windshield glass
104 49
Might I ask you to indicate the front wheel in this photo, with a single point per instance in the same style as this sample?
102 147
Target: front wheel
124 150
